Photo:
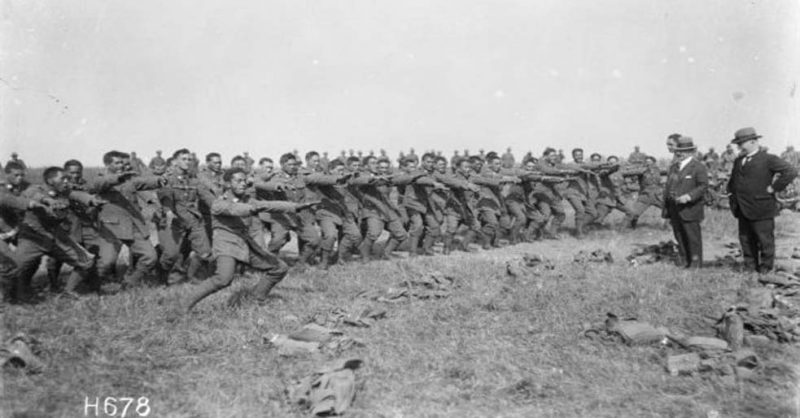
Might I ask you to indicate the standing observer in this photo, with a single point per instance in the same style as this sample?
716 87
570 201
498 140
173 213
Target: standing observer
752 188
684 193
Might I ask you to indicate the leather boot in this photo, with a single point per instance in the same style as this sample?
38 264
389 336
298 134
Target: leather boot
198 293
448 244
413 244
365 248
469 238
579 223
427 245
325 260
390 247
264 286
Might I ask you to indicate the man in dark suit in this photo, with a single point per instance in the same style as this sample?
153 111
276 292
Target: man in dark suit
752 188
684 193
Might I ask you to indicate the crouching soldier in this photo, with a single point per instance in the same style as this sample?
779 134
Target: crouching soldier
237 236
47 232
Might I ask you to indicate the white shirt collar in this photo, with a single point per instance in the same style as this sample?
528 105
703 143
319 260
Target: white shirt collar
750 155
685 162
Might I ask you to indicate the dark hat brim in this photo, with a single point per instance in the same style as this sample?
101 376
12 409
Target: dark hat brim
744 139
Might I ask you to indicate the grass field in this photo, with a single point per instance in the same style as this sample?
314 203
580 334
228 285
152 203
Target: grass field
498 346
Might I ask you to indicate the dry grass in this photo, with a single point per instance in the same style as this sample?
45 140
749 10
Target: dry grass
497 347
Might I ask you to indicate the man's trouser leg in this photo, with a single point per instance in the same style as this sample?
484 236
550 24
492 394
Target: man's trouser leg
489 228
516 211
577 203
764 232
638 208
226 268
749 242
682 239
602 212
279 236
273 271
694 244
451 222
27 258
8 264
397 236
329 231
351 237
433 230
145 259
374 230
170 239
416 225
53 268
307 234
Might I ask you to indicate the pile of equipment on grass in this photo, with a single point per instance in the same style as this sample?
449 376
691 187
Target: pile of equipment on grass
327 391
596 256
649 254
433 285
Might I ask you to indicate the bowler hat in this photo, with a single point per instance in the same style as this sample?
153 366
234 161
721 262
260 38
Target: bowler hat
684 143
745 134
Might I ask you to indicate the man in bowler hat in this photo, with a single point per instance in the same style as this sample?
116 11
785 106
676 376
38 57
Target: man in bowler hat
755 180
684 193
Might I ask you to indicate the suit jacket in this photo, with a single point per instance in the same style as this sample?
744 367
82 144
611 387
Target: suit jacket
692 180
748 185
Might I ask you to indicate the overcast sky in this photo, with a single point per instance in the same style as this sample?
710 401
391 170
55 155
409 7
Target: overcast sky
80 77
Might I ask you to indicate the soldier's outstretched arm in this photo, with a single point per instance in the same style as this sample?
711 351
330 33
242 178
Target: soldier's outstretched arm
274 184
8 200
228 207
276 206
147 182
321 179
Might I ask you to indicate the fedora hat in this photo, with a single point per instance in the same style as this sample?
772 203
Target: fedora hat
745 134
684 143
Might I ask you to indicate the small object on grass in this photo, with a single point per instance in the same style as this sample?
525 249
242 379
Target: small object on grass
683 364
17 352
328 391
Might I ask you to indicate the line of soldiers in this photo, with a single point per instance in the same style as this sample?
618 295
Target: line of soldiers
338 210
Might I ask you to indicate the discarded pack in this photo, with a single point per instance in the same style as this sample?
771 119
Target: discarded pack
433 285
363 317
596 256
314 333
772 323
537 260
328 391
663 251
530 265
18 352
741 362
780 279
290 347
628 331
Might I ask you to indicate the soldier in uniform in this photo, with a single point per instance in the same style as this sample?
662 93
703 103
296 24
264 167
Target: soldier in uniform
650 190
636 157
14 185
186 230
338 211
492 210
577 192
85 229
47 232
19 204
551 197
379 211
157 163
422 217
237 235
508 159
290 184
460 210
15 160
122 217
